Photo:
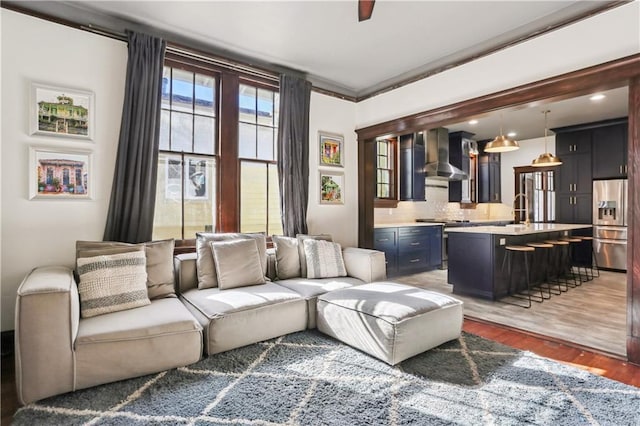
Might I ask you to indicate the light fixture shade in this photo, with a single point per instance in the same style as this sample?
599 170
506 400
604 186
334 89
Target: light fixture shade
546 160
501 144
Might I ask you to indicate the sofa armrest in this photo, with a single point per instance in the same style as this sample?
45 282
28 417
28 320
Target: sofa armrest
185 269
46 326
364 264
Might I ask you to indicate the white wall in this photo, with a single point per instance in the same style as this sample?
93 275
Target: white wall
333 115
604 37
529 149
43 232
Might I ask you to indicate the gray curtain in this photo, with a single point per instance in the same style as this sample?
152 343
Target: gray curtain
133 195
293 153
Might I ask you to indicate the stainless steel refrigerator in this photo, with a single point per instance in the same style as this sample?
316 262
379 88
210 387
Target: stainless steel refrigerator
610 223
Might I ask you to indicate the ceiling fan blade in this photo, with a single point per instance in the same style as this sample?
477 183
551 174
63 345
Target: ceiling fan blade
365 9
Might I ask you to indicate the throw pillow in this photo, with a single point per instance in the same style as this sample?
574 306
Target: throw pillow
237 263
111 283
301 252
324 259
205 266
287 257
159 262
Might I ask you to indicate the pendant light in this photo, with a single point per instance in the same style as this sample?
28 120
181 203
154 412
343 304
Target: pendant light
547 159
501 143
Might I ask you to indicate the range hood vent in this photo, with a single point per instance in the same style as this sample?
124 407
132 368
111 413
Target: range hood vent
438 166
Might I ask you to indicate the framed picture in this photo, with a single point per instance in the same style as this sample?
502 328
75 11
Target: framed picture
331 188
58 111
59 173
331 149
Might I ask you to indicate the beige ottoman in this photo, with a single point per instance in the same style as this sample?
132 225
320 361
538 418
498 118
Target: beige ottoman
389 321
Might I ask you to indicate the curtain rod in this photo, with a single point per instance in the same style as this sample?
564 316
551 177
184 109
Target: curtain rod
191 54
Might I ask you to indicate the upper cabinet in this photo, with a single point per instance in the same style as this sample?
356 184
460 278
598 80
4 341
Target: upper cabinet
610 151
412 162
489 188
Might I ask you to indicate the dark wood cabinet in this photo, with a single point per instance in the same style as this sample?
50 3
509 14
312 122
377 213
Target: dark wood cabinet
489 188
412 161
573 178
610 144
410 249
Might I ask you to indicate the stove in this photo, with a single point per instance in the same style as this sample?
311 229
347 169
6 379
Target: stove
448 223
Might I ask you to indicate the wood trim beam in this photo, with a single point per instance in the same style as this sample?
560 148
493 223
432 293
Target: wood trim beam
228 205
605 76
633 221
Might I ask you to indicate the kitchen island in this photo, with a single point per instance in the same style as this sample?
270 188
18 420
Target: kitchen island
476 255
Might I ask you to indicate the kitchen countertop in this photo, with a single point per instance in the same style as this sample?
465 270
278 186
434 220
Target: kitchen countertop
401 224
519 229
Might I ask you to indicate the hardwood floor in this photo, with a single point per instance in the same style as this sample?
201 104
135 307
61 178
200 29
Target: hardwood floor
602 365
593 315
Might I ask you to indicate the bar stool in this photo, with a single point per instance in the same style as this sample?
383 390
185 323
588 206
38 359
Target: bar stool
594 260
572 244
510 257
546 266
561 262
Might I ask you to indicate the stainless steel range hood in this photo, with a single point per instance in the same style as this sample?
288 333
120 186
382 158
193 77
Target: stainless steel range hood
438 166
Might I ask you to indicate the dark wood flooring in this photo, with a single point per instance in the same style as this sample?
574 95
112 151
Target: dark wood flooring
595 363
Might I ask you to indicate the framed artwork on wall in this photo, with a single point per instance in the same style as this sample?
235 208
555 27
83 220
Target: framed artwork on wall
58 111
331 187
331 149
59 173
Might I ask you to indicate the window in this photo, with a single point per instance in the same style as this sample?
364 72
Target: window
257 149
386 153
538 185
186 183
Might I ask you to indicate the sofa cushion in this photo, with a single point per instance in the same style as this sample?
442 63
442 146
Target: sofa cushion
301 252
159 262
214 302
324 259
205 265
308 288
237 263
112 283
287 257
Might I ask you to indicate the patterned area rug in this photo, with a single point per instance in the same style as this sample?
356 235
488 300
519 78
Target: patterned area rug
309 379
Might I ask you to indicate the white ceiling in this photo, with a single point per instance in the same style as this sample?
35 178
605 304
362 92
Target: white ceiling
324 40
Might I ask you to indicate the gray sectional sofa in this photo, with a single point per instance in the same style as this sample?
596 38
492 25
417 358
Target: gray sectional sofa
58 350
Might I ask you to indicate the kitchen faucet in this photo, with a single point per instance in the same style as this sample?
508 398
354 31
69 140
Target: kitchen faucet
526 207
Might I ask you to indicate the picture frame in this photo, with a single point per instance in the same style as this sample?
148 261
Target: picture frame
60 173
331 187
60 111
331 149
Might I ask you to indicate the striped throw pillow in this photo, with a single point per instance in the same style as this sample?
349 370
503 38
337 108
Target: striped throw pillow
324 259
112 283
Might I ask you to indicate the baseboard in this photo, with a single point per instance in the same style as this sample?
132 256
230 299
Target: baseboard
549 338
7 342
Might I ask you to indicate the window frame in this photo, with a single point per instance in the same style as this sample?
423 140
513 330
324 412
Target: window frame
226 154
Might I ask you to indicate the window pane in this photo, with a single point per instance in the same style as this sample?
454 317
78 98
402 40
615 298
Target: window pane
275 221
382 162
164 129
204 135
265 107
181 131
199 205
247 141
166 87
247 102
168 212
182 91
253 197
205 95
265 143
